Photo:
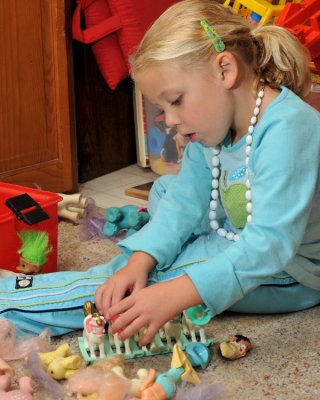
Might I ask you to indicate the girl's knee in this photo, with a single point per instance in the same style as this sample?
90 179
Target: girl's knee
277 299
158 190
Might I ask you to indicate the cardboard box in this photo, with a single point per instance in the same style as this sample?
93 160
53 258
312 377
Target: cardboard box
30 209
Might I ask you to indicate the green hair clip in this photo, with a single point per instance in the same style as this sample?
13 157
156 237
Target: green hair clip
213 36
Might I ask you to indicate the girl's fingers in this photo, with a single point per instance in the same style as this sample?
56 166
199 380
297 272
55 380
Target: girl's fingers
122 306
101 299
118 294
121 314
132 328
148 336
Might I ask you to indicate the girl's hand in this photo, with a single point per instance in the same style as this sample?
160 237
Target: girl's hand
151 307
130 278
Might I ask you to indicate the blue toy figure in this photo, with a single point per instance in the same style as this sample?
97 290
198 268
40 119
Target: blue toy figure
130 218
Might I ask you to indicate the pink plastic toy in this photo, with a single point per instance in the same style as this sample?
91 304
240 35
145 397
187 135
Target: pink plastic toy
10 349
25 391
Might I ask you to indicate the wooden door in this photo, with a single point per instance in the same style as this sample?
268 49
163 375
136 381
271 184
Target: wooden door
37 128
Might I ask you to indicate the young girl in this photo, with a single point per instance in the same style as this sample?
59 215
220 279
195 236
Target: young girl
239 227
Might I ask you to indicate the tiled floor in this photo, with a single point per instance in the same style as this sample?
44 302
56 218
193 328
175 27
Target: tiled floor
108 190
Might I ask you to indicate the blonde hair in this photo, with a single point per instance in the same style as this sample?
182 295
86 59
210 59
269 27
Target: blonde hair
274 54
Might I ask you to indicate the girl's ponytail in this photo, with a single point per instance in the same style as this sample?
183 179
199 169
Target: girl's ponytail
281 59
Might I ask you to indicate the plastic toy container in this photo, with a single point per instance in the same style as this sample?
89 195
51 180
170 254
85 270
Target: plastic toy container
31 209
165 145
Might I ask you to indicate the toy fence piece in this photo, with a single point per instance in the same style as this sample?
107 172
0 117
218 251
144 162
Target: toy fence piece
158 347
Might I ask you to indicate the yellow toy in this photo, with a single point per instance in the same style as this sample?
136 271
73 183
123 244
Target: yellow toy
60 364
46 358
64 367
268 11
237 346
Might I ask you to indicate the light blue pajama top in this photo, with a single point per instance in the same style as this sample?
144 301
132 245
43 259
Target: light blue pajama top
284 234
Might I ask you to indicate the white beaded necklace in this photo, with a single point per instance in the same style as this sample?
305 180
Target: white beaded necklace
216 173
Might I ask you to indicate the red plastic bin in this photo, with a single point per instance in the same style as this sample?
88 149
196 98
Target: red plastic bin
10 224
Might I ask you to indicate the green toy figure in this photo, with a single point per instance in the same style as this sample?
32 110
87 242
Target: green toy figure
130 218
34 251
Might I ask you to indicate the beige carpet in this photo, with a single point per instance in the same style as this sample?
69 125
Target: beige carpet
284 363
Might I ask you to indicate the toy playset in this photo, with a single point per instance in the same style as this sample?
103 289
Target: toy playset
99 343
106 377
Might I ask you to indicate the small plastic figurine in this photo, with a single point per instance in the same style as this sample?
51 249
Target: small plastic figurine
25 391
34 251
93 331
198 354
237 347
165 385
72 207
114 339
63 367
60 364
130 218
193 320
48 357
105 379
172 329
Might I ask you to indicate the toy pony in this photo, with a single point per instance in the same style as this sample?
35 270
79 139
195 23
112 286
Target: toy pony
193 320
130 218
93 331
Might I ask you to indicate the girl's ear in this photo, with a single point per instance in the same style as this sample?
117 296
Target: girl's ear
228 69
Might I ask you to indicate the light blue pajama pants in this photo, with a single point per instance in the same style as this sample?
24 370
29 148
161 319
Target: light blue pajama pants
56 300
